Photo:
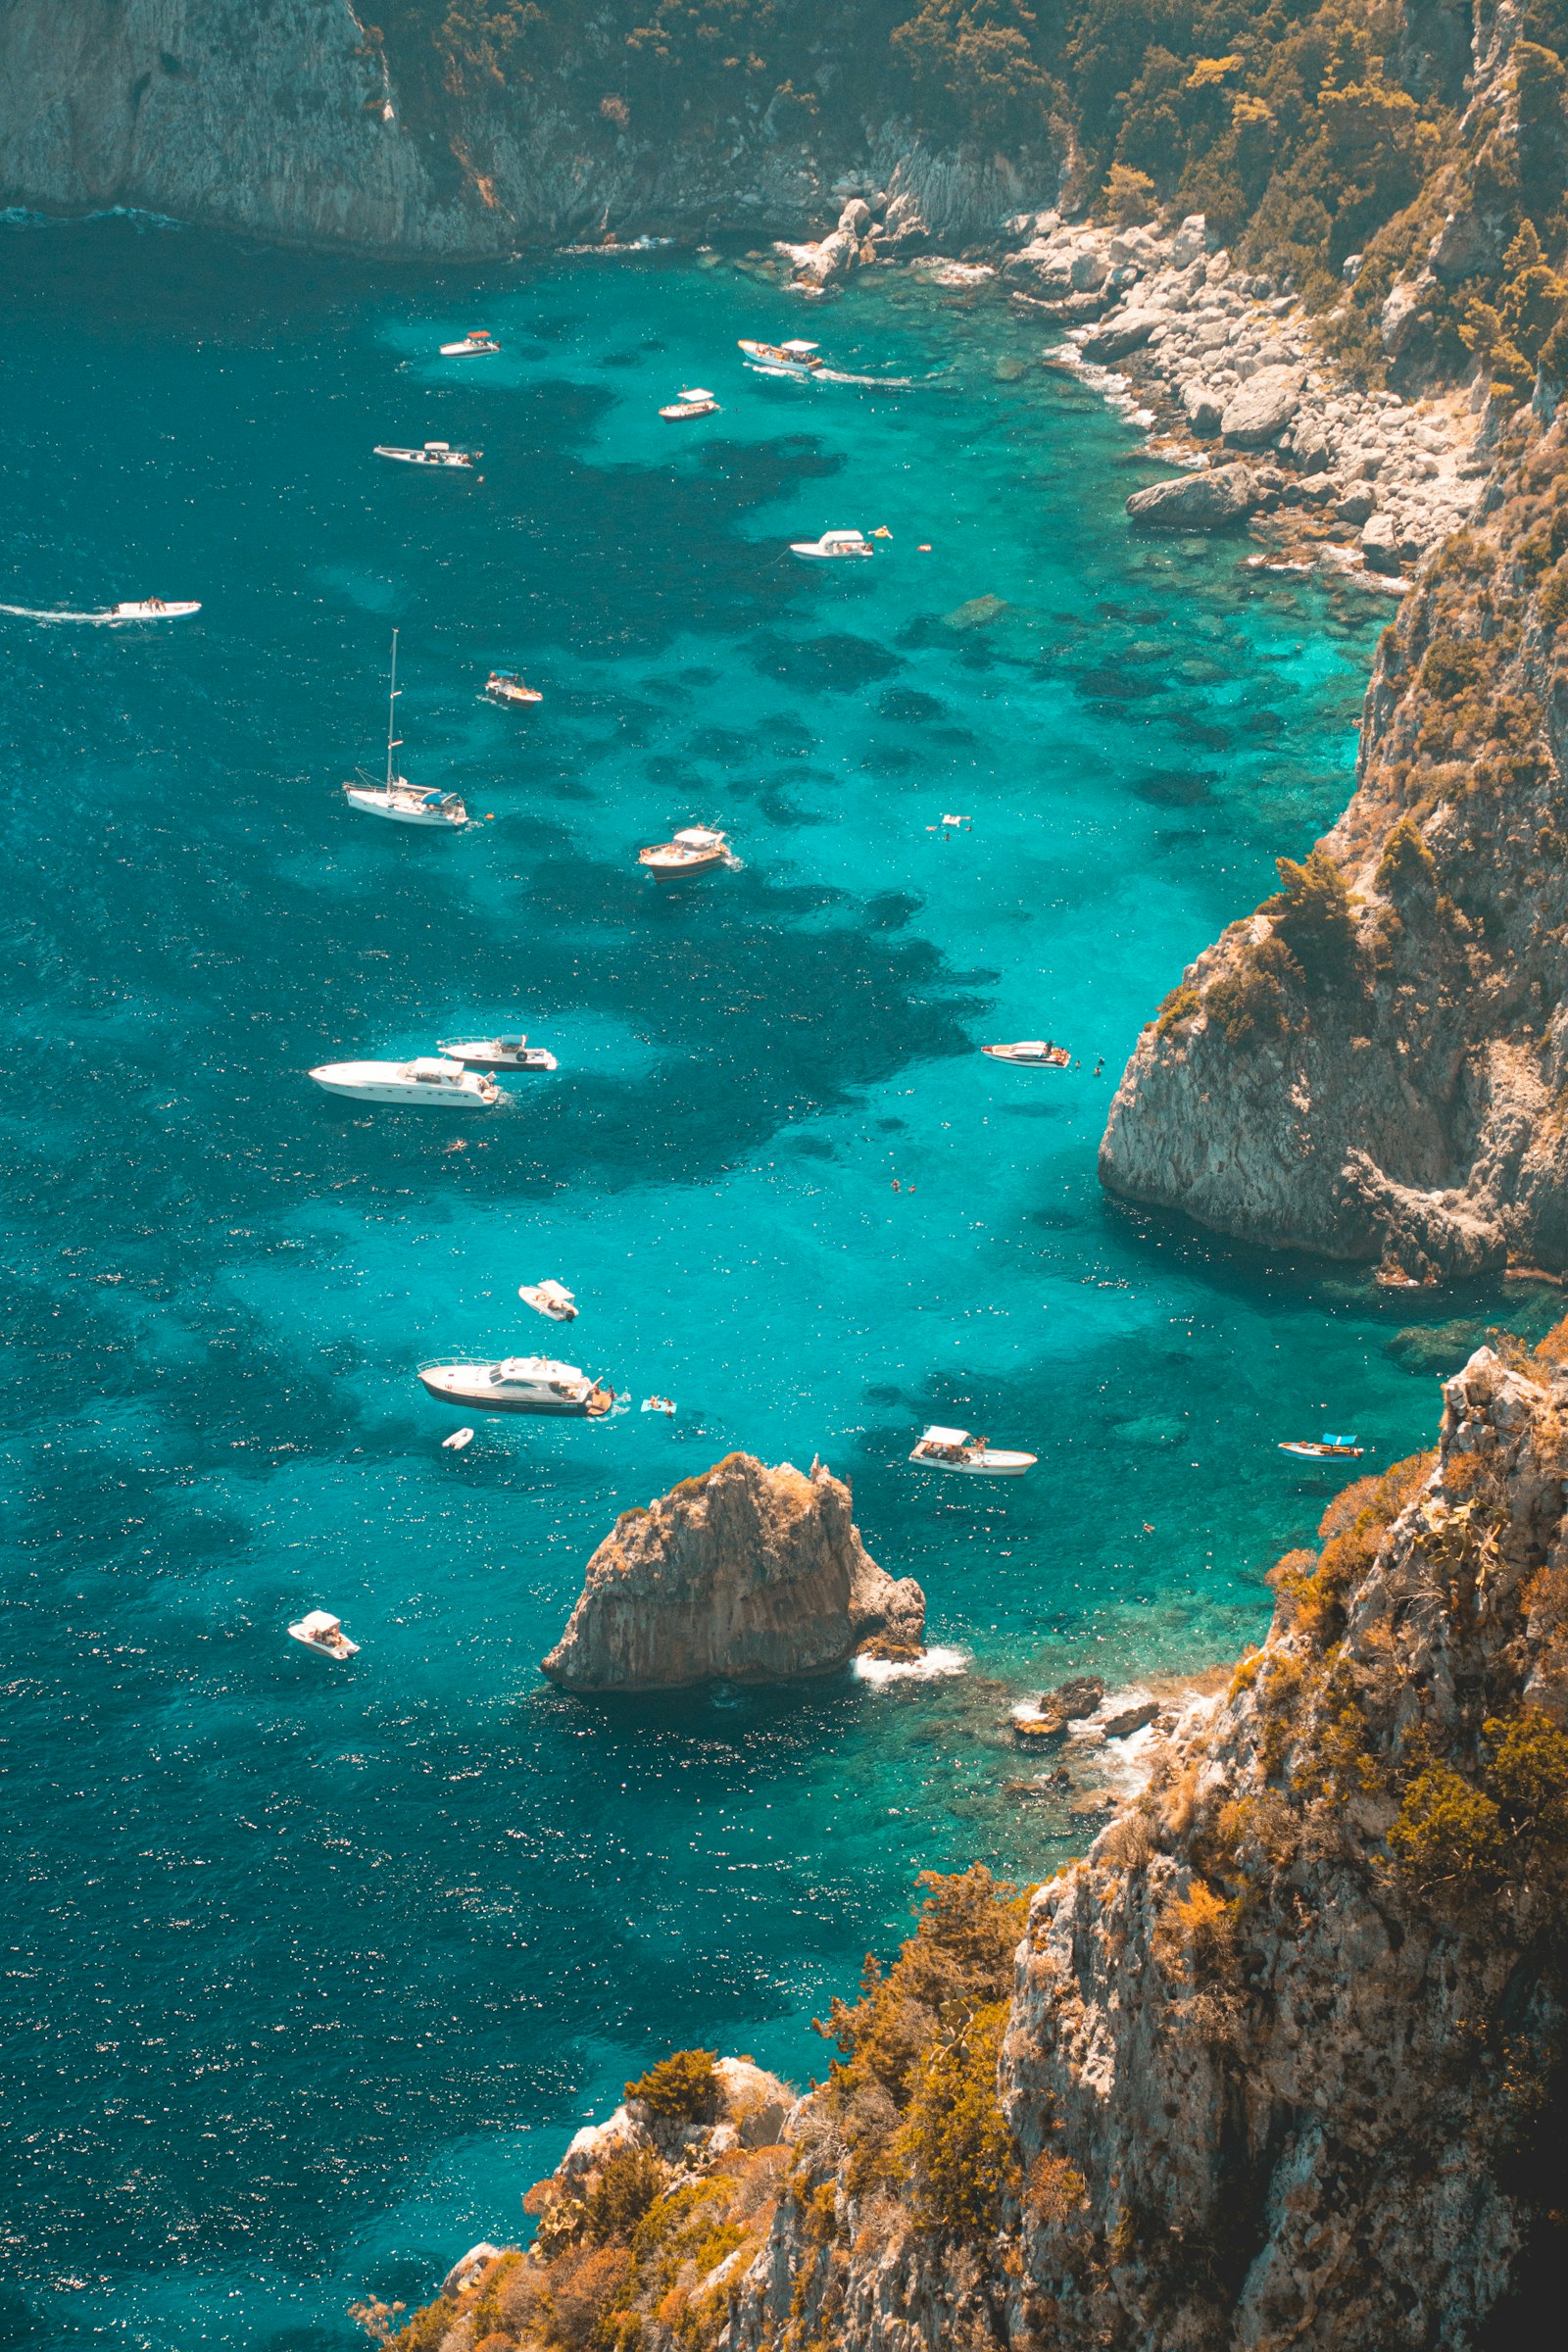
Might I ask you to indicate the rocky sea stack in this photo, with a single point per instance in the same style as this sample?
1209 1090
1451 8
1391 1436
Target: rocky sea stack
744 1575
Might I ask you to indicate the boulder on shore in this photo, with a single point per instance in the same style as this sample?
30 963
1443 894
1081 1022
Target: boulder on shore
744 1575
1262 407
1118 336
1198 502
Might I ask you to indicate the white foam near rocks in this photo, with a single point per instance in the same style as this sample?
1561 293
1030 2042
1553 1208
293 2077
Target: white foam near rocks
937 1662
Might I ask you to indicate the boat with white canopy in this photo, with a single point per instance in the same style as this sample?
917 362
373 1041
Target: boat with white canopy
695 850
497 1053
698 402
834 547
520 1383
439 454
318 1630
552 1299
794 358
956 1450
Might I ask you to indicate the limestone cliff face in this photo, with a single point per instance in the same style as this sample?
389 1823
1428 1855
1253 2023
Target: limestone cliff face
1281 2063
747 1575
295 119
1388 1078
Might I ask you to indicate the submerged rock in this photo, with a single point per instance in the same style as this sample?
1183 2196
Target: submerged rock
744 1575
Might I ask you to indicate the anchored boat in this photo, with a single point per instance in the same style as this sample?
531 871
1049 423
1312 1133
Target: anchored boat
1032 1054
434 453
498 1053
1324 1449
404 803
955 1450
431 1084
833 547
552 1299
695 403
794 358
504 686
695 849
320 1631
476 344
520 1383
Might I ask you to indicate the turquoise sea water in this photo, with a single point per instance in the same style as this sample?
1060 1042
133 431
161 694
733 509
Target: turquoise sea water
312 1971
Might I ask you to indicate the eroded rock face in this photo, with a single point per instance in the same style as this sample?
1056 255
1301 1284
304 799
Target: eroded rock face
1197 502
746 1575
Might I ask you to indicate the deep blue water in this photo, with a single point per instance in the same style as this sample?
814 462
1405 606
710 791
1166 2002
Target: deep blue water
311 1971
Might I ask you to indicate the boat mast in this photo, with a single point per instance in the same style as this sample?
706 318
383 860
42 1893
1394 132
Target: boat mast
394 740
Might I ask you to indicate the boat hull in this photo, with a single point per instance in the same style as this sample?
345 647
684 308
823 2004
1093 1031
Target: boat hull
370 804
995 1465
403 1095
1025 1061
489 1401
339 1649
536 1065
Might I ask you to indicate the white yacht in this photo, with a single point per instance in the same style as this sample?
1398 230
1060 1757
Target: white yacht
434 453
319 1631
552 1299
832 546
476 344
1032 1054
698 402
404 804
794 358
695 850
498 1053
955 1450
520 1383
438 1083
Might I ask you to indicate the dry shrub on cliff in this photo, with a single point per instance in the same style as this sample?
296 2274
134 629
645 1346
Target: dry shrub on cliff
1195 1939
1461 1840
1056 2195
953 2151
1250 1000
1129 1844
682 2088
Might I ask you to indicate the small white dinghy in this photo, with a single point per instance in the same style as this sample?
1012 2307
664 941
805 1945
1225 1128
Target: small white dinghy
695 850
833 547
955 1450
1032 1054
439 454
459 1438
322 1632
404 804
498 1053
698 402
478 343
520 1383
428 1082
552 1299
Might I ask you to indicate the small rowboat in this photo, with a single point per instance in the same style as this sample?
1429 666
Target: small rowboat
319 1631
434 453
475 345
695 849
955 1450
1323 1449
794 358
506 687
695 403
552 1299
1032 1054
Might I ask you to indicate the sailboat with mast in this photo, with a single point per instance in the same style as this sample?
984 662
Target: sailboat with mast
404 803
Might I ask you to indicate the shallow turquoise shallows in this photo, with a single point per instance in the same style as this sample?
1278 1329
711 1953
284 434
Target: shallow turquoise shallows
311 1969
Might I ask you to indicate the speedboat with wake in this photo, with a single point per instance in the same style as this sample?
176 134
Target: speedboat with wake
320 1631
477 344
794 358
404 803
498 1053
1327 1449
698 402
148 607
520 1383
695 850
504 686
434 453
432 1084
955 1450
832 546
1032 1054
552 1299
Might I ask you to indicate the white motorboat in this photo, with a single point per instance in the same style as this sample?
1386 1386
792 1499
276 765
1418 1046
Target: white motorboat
498 1053
396 797
955 1450
1032 1054
151 608
319 1631
794 358
552 1299
438 1084
695 850
434 453
832 546
504 686
1327 1449
476 344
698 402
520 1383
